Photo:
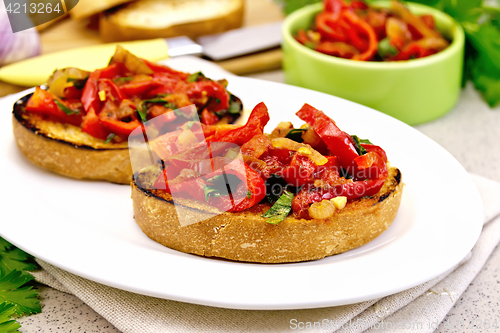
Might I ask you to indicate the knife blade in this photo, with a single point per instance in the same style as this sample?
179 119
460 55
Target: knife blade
35 71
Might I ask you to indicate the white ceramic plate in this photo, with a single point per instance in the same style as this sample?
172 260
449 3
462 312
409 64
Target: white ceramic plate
87 228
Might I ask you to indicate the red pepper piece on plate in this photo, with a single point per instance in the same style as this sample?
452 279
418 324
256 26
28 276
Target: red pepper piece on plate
200 89
208 117
375 149
299 171
140 88
339 143
93 126
157 68
351 190
42 102
254 126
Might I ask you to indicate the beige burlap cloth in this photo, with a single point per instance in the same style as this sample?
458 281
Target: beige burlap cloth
419 309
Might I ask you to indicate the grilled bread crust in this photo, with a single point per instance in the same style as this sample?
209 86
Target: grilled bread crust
66 150
246 236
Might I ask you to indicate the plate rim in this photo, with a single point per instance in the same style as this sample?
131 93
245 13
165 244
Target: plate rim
286 303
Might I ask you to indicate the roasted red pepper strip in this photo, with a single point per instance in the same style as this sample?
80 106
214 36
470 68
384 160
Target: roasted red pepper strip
118 127
250 191
255 125
93 126
256 190
302 37
308 114
375 149
138 89
413 51
377 174
90 97
112 71
211 89
354 190
360 5
72 92
90 94
339 143
428 21
208 117
112 91
366 29
43 102
337 49
333 6
329 27
401 11
157 68
299 172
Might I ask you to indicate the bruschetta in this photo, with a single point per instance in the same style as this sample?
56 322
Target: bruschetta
78 125
293 195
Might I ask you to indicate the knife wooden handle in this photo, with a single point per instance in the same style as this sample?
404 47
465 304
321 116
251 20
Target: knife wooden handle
36 71
254 63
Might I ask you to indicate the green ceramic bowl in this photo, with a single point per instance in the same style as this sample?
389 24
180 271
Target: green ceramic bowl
413 91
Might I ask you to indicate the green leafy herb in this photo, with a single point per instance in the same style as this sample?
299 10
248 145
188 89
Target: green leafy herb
65 109
78 83
7 324
156 100
123 79
296 134
249 194
210 192
16 298
110 137
343 173
142 110
280 209
220 185
12 258
386 49
365 141
194 77
13 291
358 142
20 259
275 185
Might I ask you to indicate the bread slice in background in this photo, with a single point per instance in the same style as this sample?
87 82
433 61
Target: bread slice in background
148 19
66 150
87 8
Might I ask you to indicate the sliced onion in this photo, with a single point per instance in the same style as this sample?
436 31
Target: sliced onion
322 210
16 46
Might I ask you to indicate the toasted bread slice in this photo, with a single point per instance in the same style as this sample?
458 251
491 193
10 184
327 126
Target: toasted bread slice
246 236
66 150
87 8
156 19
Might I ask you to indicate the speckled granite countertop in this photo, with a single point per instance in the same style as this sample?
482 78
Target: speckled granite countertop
470 133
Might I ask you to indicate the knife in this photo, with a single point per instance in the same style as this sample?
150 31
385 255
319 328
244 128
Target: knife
35 71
